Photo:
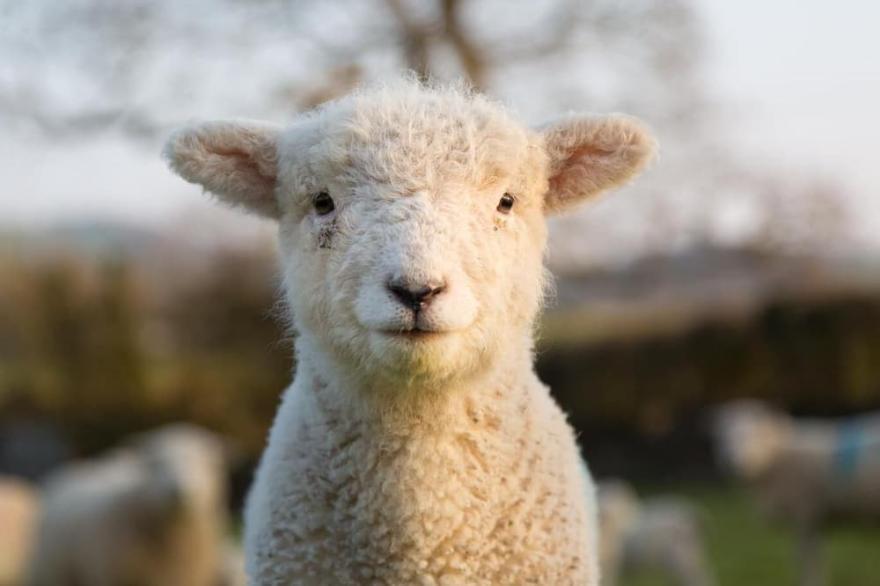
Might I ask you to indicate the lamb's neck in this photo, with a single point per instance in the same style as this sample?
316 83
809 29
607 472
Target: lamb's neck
338 393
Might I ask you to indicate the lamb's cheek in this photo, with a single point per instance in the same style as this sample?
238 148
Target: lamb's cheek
306 280
522 273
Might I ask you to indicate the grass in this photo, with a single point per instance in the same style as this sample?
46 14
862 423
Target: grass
745 550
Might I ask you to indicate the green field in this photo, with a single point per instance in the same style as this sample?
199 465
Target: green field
746 551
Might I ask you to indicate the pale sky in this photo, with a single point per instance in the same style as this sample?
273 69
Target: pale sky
802 78
799 80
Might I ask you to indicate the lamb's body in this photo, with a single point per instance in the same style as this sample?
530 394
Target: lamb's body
488 491
416 445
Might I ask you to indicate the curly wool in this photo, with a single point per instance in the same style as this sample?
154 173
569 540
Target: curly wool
486 491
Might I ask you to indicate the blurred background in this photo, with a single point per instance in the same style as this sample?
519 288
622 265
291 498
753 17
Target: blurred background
744 264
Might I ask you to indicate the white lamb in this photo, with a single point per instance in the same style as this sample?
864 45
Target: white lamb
415 445
152 513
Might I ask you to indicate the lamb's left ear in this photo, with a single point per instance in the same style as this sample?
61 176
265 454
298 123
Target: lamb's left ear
236 161
590 154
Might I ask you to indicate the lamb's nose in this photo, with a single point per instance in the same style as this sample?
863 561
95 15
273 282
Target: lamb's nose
415 297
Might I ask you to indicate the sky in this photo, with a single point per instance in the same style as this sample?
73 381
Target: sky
799 82
802 82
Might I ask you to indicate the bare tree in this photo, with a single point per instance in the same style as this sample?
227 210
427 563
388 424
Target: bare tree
132 65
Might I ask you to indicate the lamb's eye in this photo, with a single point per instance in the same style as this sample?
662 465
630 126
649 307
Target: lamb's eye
323 203
506 203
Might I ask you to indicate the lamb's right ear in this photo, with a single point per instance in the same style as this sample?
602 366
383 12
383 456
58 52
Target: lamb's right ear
236 161
590 154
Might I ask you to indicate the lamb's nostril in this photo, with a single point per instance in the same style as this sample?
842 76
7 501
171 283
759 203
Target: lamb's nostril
417 297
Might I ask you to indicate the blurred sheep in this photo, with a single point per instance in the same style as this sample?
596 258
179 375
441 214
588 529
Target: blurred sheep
232 565
804 472
18 514
152 513
618 508
660 534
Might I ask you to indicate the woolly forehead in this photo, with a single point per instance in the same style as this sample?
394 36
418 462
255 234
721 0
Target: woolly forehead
415 143
409 138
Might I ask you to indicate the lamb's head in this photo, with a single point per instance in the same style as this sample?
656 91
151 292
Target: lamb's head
412 219
186 466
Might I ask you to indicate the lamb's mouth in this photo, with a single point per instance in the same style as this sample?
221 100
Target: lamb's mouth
413 333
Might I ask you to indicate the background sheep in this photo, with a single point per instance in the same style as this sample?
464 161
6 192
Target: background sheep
152 514
416 444
618 507
805 472
662 535
18 514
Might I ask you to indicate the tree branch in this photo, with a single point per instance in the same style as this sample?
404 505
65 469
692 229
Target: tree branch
471 56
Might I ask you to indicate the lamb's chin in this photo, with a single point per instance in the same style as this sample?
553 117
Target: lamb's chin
418 352
412 342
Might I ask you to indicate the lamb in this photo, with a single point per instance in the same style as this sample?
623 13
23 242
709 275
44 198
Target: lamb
804 472
152 514
662 534
416 444
19 506
618 508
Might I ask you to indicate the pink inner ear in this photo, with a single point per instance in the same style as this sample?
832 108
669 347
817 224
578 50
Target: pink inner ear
589 151
576 164
244 163
246 169
592 154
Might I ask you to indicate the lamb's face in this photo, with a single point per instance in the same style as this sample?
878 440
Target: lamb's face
415 249
411 219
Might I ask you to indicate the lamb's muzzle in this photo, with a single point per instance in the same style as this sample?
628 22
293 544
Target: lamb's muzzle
415 297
